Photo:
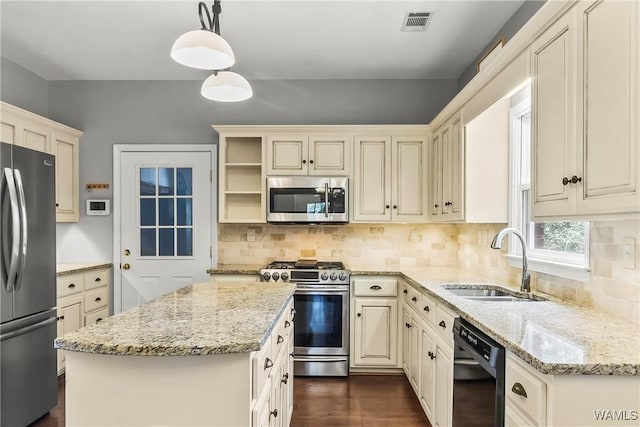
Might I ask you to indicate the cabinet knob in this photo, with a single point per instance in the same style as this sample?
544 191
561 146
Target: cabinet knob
414 299
359 315
404 291
304 162
98 299
285 378
97 279
432 355
448 204
519 390
426 308
311 161
287 323
442 324
395 206
408 325
436 206
575 179
268 363
386 206
71 285
274 413
565 181
60 317
280 339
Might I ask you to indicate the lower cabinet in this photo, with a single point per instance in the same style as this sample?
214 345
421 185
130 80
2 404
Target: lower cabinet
272 376
83 299
410 348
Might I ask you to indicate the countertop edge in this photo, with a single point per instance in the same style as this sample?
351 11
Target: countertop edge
80 268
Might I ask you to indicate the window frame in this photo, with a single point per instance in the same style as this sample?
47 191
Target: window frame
566 265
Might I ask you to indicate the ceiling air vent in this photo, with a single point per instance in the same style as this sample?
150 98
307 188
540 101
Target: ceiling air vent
415 21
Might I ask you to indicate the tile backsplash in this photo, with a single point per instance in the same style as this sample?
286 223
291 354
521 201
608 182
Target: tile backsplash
613 286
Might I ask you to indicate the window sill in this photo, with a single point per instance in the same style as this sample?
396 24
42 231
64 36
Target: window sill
567 271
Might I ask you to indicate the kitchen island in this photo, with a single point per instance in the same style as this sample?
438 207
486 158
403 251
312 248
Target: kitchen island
202 355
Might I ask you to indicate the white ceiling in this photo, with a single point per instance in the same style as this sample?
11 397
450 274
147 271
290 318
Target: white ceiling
297 39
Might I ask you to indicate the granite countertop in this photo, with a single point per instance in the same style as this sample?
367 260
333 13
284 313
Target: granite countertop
553 336
236 269
213 317
66 269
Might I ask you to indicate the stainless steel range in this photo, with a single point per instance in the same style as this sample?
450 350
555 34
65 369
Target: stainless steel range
321 323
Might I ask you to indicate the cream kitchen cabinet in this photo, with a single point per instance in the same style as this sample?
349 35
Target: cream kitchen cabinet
241 180
374 323
82 300
26 129
585 150
410 347
390 178
294 154
447 171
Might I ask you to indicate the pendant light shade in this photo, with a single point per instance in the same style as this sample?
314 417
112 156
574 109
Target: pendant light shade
204 50
226 86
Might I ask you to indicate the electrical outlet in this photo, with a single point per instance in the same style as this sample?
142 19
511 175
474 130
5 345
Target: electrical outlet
413 236
251 235
629 252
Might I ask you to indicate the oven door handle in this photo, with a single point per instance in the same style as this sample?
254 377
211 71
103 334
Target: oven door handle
320 289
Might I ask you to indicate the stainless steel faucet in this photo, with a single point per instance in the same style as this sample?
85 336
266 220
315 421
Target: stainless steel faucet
525 286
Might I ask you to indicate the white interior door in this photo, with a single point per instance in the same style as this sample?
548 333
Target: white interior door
165 214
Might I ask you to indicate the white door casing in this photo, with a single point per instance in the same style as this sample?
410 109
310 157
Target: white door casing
164 222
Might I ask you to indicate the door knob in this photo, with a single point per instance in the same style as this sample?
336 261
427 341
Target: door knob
125 266
127 252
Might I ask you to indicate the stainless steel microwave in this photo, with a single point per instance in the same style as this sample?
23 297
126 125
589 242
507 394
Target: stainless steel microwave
308 199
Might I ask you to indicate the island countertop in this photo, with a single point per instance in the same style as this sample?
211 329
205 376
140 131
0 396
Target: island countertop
214 317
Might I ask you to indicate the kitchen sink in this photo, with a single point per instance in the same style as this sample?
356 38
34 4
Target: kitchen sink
491 293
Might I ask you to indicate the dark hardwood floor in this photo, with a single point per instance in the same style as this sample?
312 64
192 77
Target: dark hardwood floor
358 400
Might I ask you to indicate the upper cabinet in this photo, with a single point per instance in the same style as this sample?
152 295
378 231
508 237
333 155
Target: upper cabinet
29 130
294 154
390 178
585 108
447 171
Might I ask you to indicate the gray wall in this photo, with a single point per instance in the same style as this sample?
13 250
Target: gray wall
121 112
509 29
22 88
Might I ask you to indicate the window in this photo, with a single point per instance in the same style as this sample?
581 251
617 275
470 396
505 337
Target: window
559 248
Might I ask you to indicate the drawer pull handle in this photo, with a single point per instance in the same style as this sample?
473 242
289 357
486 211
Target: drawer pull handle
519 390
267 363
99 319
426 308
293 314
405 291
442 324
280 340
98 299
97 279
285 378
287 323
414 299
275 411
375 287
71 285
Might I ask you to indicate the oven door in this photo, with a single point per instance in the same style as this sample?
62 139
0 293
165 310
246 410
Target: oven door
321 325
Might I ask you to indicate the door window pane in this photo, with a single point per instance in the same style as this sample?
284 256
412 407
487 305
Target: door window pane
165 211
165 181
183 176
184 211
148 241
148 211
165 244
185 243
147 181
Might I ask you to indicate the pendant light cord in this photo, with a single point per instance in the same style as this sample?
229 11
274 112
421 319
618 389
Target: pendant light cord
211 24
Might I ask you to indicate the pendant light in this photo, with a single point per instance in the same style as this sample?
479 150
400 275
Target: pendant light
205 49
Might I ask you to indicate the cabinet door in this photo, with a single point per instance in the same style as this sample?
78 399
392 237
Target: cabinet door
436 175
35 136
9 128
409 172
609 87
444 385
414 355
427 372
372 182
277 414
456 168
376 326
553 115
446 161
287 155
406 343
70 316
66 152
330 155
261 412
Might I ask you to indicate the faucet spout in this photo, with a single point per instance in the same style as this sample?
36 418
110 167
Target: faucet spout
525 285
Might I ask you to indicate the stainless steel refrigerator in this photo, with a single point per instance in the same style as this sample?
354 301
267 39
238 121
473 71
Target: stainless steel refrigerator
28 285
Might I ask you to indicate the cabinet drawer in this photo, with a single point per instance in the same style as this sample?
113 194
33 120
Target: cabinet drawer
67 285
525 391
261 367
411 296
444 323
96 298
97 317
427 309
375 287
96 278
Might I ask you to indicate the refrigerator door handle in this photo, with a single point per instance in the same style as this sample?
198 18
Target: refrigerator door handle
23 225
15 246
22 331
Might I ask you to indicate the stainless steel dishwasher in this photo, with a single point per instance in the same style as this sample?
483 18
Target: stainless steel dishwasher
478 378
